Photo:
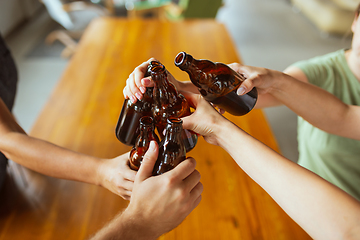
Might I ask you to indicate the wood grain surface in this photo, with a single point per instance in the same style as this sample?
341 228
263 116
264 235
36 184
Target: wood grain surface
82 114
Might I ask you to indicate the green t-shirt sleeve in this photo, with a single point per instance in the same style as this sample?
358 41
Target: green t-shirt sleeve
324 71
316 72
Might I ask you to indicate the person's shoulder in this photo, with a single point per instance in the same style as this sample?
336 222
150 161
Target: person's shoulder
336 56
326 61
320 69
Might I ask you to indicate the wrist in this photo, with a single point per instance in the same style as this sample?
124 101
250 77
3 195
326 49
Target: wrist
225 136
279 83
135 227
99 169
221 129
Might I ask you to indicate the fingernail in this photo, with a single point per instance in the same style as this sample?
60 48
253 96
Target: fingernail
152 146
132 99
145 81
143 89
138 96
240 91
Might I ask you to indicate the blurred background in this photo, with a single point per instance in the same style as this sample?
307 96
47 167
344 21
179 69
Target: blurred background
43 35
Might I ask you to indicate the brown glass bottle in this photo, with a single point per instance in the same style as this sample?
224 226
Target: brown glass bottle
171 149
142 142
127 128
168 103
217 83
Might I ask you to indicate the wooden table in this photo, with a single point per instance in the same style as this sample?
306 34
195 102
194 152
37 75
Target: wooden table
81 115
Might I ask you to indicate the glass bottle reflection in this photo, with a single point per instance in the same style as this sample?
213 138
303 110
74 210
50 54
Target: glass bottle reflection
127 128
142 142
217 83
171 149
168 103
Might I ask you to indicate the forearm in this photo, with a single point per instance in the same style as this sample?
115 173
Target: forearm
318 107
267 100
124 226
49 159
321 209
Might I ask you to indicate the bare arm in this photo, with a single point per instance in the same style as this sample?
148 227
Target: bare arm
321 209
315 105
304 196
55 161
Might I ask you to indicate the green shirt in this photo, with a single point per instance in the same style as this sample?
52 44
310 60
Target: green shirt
335 158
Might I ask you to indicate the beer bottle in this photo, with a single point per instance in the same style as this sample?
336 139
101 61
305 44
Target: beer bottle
142 142
217 83
171 149
127 128
168 103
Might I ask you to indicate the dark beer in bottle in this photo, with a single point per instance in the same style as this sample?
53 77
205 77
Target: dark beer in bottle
127 128
171 149
217 83
142 142
168 103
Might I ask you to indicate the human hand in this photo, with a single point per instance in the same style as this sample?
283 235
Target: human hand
137 83
116 175
160 203
206 120
262 78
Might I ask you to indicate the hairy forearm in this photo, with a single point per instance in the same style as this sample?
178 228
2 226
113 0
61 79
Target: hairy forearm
317 106
307 198
124 226
49 159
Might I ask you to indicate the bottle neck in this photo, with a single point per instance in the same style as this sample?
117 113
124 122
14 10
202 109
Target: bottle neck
174 130
146 126
164 91
183 61
213 79
145 130
148 93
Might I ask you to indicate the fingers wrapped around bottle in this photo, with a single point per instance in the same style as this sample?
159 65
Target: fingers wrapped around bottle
206 120
137 82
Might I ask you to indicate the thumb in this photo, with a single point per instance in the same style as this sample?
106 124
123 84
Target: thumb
147 82
188 122
245 87
247 84
148 162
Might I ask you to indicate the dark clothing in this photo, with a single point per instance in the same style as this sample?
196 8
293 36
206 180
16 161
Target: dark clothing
8 81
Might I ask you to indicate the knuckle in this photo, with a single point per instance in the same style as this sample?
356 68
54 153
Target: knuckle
200 188
170 181
182 194
197 174
191 162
